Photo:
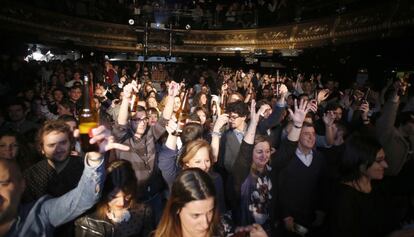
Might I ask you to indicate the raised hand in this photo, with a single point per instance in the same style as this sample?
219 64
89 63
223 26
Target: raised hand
171 126
263 109
281 90
312 106
253 110
400 87
129 88
103 138
173 89
300 112
220 122
329 118
323 95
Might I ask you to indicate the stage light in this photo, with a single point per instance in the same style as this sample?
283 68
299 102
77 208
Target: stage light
38 56
131 22
158 25
50 54
187 27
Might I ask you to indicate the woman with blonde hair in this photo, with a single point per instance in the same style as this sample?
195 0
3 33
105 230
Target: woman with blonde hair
196 153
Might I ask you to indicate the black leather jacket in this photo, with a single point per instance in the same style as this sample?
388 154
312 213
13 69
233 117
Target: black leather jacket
141 224
88 226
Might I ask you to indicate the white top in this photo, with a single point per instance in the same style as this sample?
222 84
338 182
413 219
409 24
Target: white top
306 159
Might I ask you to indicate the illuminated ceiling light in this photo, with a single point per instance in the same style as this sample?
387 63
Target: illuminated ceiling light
131 22
37 56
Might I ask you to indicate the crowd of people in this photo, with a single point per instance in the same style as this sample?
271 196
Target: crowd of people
191 150
200 14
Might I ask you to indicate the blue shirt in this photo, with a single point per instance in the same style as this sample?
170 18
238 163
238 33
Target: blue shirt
41 217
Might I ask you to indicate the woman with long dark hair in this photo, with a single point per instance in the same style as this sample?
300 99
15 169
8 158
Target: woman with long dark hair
191 209
117 213
358 210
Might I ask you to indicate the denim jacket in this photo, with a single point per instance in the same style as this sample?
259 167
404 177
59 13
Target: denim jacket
41 217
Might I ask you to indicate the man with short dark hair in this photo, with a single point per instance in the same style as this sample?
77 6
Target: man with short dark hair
17 112
133 130
76 79
232 138
299 181
41 217
75 94
59 172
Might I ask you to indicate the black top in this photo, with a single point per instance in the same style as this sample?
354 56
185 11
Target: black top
42 179
300 188
355 214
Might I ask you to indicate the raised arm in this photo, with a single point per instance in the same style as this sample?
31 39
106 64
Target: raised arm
216 134
168 155
385 123
58 211
297 119
328 120
243 163
395 146
277 111
173 91
287 148
254 120
126 99
159 128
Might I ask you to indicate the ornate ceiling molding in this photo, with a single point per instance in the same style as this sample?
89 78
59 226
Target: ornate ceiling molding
381 21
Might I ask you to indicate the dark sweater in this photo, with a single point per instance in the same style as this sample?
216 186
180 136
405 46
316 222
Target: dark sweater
42 179
355 214
299 189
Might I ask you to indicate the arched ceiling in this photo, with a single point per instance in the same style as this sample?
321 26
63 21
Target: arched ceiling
382 21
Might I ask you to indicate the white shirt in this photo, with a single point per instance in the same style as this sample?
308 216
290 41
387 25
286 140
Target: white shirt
306 159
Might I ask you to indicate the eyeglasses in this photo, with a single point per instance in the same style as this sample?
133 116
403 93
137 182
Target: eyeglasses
233 117
138 120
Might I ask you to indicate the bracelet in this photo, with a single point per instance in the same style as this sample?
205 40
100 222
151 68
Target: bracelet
296 126
218 134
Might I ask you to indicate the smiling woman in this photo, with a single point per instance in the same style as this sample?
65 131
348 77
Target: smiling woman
355 208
